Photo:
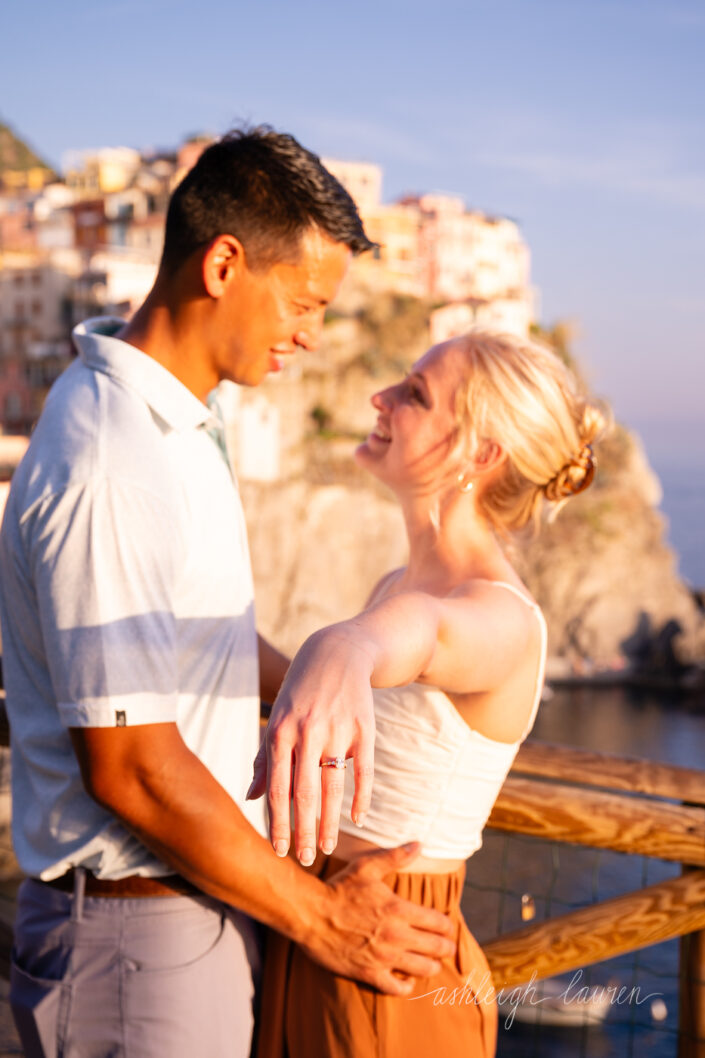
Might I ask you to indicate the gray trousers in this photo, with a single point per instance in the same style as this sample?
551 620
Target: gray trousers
157 977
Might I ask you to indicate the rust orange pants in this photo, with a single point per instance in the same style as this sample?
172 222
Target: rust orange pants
308 1012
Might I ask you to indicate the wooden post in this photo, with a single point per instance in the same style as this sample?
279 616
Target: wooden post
6 942
691 1022
4 726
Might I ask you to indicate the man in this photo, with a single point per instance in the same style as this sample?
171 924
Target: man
131 658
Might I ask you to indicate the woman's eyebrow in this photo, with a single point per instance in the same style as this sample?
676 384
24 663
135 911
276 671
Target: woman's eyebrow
418 376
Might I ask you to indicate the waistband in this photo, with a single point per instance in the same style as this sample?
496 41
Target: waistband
135 885
442 892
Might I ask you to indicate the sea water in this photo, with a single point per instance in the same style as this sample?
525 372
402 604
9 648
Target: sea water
684 506
560 878
676 452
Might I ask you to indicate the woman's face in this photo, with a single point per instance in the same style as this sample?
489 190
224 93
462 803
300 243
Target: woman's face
416 428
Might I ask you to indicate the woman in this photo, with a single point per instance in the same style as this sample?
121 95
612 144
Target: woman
484 434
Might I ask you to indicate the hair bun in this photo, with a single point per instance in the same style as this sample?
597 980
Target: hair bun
573 477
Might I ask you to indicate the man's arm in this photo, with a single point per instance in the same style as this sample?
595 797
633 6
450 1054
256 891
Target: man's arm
147 777
110 633
272 669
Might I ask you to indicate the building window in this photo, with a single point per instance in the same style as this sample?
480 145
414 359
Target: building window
13 407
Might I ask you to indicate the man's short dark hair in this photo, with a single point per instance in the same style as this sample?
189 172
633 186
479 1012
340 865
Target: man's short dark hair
264 188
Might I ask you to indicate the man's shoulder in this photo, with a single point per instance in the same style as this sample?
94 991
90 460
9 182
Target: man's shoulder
93 427
85 404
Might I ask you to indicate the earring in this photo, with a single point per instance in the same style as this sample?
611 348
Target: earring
467 486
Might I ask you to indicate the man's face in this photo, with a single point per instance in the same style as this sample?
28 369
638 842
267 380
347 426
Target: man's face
267 315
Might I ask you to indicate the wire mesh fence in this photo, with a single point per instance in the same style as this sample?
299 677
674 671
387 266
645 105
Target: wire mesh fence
624 1007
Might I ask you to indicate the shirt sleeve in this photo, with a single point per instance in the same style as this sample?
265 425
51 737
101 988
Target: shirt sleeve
105 557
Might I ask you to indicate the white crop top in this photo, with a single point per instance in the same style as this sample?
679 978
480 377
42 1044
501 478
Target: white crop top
436 779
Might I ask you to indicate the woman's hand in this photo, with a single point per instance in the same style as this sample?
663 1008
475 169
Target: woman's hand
467 641
324 710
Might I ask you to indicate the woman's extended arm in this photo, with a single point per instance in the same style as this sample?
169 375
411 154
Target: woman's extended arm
464 642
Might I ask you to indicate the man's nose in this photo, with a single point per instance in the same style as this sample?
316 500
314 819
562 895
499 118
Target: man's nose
309 335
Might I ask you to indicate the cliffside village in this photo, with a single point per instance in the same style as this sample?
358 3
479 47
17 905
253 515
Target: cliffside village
88 243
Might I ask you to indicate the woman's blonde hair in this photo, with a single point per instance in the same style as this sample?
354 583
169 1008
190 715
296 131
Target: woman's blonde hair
525 398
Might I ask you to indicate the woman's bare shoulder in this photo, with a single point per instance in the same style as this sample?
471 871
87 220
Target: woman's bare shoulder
486 588
501 614
385 585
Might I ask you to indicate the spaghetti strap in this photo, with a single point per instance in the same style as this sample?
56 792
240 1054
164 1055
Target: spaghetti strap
516 591
544 647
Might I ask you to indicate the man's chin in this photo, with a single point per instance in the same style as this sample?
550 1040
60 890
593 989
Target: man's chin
251 376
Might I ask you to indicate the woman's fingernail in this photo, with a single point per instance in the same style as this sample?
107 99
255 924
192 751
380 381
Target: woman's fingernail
327 847
281 847
306 857
360 819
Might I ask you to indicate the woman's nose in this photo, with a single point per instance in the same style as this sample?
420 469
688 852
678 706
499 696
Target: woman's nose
380 401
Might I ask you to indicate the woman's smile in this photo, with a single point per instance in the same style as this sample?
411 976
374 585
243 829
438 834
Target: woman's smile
381 433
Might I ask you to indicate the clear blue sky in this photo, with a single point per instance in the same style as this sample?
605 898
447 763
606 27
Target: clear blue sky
582 119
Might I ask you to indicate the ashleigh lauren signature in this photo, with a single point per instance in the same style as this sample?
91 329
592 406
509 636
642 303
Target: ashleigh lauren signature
529 995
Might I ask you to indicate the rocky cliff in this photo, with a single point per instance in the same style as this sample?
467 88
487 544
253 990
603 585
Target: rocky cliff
602 571
607 579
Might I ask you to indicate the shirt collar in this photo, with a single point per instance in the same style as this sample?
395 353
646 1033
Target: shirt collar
162 391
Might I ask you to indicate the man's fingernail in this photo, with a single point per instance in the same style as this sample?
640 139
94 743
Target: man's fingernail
281 847
327 847
360 819
306 857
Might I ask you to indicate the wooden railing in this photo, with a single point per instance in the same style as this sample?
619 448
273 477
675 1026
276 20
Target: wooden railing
607 802
551 793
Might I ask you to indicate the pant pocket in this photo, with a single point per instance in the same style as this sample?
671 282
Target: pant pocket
201 1005
40 1008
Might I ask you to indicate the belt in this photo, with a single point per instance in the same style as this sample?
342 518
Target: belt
135 885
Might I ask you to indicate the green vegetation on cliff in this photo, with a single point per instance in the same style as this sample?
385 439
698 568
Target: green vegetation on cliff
16 156
602 570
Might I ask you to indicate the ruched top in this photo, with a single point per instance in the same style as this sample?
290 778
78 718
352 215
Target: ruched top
436 779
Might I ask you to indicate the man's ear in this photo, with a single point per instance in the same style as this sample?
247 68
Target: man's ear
222 262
